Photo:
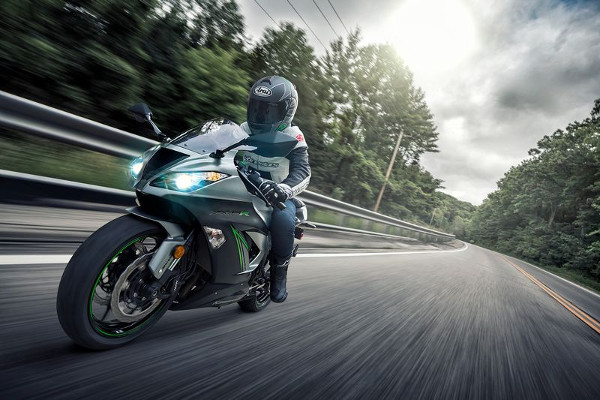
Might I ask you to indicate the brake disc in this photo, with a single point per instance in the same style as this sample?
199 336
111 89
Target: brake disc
123 306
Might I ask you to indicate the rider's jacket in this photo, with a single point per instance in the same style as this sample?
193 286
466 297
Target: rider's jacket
292 170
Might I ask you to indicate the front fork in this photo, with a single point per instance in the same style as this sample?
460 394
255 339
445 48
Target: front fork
164 261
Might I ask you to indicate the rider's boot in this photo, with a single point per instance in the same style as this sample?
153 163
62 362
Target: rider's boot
279 269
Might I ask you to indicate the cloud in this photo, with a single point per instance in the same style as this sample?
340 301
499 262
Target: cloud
536 68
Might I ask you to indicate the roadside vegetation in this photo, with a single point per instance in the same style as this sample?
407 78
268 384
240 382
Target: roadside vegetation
46 157
547 209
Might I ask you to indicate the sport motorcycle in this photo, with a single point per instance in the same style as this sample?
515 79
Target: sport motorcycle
198 237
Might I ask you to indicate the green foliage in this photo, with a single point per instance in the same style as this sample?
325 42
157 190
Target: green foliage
547 209
207 91
41 156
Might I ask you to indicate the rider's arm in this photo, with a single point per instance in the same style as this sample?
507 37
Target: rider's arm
299 173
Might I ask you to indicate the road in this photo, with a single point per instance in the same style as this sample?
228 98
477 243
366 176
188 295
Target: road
417 325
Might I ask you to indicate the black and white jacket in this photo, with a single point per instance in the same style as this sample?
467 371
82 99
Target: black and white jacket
291 171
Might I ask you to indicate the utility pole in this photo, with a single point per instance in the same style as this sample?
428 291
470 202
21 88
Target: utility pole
432 215
389 171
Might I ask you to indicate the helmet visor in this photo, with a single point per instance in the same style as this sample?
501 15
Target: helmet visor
264 112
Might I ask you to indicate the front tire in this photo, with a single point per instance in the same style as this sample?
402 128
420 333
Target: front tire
97 276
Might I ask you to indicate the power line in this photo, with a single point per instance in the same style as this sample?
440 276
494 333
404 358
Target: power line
268 15
305 23
321 11
338 15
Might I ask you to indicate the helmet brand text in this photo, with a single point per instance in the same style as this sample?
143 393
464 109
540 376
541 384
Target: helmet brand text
262 91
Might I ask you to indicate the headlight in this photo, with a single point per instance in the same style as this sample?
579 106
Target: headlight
187 181
136 167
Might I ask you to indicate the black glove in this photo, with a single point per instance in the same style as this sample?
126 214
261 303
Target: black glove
275 192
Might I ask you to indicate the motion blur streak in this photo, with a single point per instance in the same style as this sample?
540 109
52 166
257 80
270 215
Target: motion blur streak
461 324
591 322
18 259
64 258
387 253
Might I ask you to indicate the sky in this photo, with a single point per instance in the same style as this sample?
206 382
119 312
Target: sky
497 75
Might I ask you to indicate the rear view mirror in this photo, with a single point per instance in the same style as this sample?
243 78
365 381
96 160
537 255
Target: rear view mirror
141 112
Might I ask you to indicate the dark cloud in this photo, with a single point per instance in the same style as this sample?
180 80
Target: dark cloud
565 66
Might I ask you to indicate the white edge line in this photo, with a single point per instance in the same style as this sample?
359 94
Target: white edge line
547 272
17 259
559 277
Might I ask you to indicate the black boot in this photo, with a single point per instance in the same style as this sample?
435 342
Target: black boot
278 279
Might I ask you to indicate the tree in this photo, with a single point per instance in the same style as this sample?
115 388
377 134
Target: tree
547 208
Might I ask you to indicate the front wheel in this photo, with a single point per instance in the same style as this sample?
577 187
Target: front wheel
105 297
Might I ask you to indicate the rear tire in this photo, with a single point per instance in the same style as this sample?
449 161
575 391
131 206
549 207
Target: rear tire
251 304
257 301
83 275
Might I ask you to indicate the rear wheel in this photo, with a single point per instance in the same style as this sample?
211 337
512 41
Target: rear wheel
107 296
260 296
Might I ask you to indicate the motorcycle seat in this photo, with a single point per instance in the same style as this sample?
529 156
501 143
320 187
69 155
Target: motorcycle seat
301 214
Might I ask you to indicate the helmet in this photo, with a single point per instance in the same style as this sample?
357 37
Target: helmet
271 105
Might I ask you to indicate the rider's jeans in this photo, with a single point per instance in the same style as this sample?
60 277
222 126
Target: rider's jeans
282 231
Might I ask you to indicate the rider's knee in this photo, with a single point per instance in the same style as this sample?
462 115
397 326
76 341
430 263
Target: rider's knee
282 220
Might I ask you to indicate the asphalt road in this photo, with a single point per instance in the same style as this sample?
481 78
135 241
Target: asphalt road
445 324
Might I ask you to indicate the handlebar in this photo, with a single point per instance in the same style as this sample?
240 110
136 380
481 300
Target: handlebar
256 180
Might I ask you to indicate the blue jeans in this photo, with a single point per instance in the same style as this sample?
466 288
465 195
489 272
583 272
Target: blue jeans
282 231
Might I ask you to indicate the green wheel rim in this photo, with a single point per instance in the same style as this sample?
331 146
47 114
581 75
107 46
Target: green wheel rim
91 313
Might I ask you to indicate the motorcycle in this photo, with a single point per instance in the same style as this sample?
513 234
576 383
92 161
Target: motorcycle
198 237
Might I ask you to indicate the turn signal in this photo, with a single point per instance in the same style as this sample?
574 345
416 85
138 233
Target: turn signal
178 252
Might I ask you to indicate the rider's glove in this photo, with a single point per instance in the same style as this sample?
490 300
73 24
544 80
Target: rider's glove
275 192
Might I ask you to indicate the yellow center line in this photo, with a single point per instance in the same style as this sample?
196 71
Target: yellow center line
587 319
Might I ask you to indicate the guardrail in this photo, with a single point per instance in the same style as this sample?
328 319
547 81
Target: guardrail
27 116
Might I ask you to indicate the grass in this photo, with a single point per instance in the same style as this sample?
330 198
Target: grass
46 157
324 216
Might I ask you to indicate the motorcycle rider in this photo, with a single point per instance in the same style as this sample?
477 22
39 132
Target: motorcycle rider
272 104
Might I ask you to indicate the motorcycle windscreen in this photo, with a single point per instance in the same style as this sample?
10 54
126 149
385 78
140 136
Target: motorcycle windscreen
215 134
271 144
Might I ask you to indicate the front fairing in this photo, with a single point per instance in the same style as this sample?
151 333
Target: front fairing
226 201
191 151
226 189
